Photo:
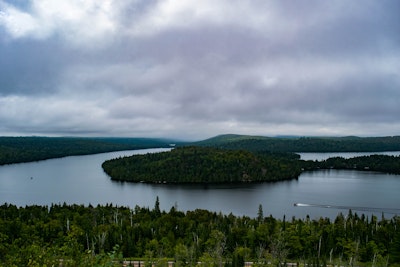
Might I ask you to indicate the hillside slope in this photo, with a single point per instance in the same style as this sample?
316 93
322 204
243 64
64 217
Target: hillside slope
303 144
26 149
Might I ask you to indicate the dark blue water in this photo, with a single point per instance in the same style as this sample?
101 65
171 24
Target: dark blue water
81 180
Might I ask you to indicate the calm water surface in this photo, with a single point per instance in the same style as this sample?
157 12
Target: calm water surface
81 180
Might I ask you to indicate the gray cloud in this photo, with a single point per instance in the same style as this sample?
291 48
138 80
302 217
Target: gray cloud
195 69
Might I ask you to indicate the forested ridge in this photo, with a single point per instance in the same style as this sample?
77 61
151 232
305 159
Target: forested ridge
303 144
26 149
81 235
203 165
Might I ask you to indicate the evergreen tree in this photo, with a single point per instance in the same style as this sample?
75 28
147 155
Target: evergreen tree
157 210
260 214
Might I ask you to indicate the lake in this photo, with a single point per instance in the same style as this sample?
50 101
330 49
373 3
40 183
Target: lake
81 180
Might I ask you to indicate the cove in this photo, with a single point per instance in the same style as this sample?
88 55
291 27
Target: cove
81 180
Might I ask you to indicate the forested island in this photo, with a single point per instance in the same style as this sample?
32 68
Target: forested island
203 165
77 235
214 165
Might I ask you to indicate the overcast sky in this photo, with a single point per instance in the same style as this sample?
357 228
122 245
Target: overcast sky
193 69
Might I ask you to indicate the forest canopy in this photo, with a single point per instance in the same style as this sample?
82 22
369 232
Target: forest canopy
214 165
378 163
303 144
77 235
203 165
27 149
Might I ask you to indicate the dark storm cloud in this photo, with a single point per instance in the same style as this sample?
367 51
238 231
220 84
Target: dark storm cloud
199 68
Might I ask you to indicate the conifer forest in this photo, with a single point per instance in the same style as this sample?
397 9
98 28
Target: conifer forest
77 235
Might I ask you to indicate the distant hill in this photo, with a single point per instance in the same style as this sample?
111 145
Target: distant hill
226 139
26 149
303 144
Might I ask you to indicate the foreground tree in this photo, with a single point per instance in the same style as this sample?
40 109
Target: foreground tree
96 236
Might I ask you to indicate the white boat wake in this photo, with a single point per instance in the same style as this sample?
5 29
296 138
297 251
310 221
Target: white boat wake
370 209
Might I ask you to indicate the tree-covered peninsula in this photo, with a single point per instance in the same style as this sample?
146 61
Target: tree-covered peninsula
33 148
378 163
203 165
